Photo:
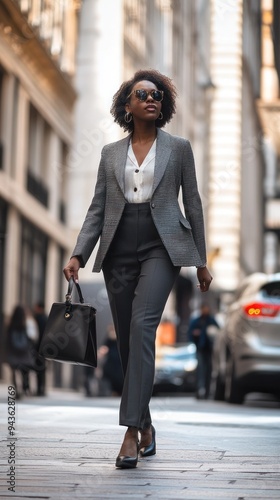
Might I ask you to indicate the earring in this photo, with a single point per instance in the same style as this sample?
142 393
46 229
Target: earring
128 117
160 116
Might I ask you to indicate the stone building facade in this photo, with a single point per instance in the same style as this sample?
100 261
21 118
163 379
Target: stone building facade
37 97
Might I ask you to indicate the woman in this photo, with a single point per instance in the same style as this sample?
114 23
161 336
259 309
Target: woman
20 349
199 333
144 238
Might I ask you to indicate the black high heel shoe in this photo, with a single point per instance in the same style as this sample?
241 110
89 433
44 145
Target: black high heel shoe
147 451
127 462
124 462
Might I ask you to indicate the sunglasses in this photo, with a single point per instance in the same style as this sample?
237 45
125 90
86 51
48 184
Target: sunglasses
142 95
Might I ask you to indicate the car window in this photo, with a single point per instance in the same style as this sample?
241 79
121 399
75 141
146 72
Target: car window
179 357
252 289
271 290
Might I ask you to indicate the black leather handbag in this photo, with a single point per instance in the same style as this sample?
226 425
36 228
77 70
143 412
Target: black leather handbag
70 332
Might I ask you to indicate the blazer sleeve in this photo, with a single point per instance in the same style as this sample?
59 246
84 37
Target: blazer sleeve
192 201
94 220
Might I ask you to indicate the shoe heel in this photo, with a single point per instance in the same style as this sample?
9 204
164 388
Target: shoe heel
126 462
149 450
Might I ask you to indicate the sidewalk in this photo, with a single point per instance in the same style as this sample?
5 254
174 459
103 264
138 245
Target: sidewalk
66 446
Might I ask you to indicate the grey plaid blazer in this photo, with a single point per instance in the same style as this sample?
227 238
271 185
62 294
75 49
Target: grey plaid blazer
182 235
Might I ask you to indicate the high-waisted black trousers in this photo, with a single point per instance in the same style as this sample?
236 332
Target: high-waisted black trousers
139 276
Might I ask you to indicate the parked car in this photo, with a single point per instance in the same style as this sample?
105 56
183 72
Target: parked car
175 368
246 355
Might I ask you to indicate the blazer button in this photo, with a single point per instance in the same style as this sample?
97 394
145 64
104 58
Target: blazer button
153 205
135 189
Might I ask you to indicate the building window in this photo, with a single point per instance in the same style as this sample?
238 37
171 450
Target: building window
61 284
62 171
38 156
3 229
33 261
14 134
2 117
37 189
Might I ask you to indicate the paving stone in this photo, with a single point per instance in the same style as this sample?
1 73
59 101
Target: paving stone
66 449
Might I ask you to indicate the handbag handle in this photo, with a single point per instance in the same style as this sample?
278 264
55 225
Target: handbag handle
68 296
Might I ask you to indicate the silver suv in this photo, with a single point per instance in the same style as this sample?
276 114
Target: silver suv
246 354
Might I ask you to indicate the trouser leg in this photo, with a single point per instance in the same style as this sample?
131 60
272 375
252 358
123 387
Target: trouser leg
121 282
41 382
25 380
137 308
14 379
208 374
204 370
200 374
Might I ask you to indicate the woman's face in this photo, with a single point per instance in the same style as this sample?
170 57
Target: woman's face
147 109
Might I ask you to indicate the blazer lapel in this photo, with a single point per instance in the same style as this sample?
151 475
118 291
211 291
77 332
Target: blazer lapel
120 160
163 151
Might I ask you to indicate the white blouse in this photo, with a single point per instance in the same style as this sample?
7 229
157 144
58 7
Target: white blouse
138 181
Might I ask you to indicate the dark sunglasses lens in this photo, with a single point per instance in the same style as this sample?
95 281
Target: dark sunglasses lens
141 95
156 95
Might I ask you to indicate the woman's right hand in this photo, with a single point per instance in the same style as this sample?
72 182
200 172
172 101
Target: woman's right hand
71 269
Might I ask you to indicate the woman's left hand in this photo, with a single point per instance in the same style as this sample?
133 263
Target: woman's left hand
204 278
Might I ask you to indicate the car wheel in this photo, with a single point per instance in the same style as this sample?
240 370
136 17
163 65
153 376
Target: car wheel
219 394
233 392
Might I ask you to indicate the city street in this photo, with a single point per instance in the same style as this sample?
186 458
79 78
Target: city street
65 447
140 140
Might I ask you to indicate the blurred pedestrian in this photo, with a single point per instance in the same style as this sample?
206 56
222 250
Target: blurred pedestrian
144 239
20 349
199 333
41 364
112 369
31 327
89 373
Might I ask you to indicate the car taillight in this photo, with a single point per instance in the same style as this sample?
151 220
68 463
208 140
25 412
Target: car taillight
259 309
